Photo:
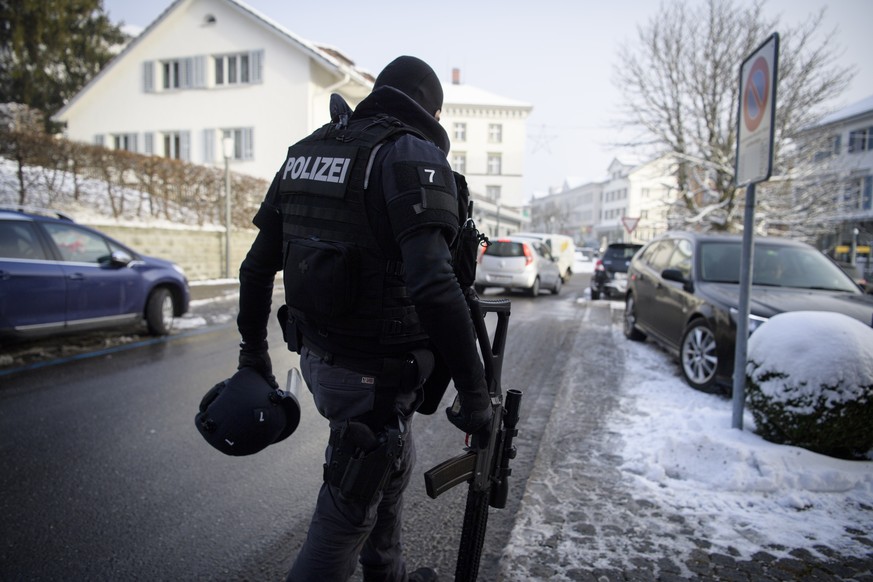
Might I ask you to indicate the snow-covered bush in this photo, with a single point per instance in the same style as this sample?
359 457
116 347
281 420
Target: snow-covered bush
809 382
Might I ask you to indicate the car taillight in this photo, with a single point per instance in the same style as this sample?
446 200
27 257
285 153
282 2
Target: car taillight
598 266
528 256
481 254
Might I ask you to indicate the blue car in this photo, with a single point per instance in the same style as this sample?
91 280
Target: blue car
58 276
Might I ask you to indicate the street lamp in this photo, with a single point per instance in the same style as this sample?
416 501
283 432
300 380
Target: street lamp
227 144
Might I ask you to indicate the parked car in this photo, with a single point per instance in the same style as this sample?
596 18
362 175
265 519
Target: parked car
683 292
518 263
561 247
610 271
59 276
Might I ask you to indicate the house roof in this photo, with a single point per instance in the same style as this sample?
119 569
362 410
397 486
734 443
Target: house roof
857 109
468 95
328 57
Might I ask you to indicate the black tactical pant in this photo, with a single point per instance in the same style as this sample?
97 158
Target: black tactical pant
345 530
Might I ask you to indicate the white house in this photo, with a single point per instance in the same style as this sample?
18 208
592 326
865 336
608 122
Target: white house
488 135
205 70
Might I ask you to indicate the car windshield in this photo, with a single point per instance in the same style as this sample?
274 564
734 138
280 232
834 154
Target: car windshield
621 251
502 248
774 266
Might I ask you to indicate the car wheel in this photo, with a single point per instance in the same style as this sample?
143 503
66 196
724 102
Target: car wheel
630 321
535 288
557 288
595 294
698 355
159 312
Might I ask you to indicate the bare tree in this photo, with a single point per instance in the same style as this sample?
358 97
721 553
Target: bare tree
680 82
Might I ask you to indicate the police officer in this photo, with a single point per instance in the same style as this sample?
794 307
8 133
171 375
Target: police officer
360 217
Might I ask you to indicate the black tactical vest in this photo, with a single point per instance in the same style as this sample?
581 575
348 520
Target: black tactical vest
340 287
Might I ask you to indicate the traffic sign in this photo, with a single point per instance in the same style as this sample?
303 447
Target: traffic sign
755 122
630 223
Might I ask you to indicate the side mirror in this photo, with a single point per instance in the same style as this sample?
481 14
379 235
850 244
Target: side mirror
676 275
119 259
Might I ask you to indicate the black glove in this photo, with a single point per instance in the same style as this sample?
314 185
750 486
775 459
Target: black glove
471 412
257 357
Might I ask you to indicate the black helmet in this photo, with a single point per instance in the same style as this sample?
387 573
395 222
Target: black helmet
244 414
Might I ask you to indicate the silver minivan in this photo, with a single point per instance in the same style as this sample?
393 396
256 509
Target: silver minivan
518 263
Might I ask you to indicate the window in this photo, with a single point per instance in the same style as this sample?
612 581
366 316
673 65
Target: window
19 241
176 145
861 140
460 132
238 69
77 245
495 133
231 69
494 164
459 163
829 147
243 142
125 141
172 76
493 193
180 73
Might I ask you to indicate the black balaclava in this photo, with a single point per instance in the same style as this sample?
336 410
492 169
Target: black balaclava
416 79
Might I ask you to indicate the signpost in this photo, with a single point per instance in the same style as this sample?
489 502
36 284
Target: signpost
756 122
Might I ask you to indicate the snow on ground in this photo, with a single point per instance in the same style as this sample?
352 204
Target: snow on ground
679 454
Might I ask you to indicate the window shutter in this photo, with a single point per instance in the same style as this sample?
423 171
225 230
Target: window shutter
148 77
208 146
186 73
199 79
134 146
257 66
185 146
248 143
149 144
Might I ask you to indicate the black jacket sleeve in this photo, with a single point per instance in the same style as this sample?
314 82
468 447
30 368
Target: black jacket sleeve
258 271
429 277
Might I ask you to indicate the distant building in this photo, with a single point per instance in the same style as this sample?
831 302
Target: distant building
630 205
488 136
842 147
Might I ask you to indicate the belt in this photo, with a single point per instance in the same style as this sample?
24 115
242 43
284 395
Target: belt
373 365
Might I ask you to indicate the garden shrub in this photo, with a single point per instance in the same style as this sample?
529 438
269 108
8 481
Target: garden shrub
809 382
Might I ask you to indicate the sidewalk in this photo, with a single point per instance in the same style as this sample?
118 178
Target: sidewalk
580 521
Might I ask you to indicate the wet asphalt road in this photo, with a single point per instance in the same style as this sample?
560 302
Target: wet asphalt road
104 477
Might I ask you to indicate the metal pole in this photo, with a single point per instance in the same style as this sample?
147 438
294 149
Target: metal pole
739 378
226 217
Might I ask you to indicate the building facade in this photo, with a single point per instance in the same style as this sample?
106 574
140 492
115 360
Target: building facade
629 206
488 136
841 148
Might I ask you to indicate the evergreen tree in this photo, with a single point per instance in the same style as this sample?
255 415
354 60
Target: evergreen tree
49 49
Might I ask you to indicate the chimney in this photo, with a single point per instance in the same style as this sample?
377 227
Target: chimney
456 76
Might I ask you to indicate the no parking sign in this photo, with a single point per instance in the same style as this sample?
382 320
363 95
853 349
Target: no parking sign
758 75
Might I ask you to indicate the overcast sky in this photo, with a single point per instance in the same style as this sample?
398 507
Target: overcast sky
557 55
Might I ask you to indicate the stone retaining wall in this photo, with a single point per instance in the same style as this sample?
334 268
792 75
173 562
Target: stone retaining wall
199 251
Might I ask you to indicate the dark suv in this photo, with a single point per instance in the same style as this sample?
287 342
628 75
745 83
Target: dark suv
58 276
610 271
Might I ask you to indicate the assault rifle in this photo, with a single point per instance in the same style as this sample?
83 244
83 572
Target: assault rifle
484 465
